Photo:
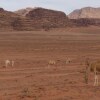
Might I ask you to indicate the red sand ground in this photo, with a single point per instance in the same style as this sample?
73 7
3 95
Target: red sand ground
32 79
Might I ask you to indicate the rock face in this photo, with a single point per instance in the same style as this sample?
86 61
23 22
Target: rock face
40 18
85 17
48 18
6 19
85 22
87 12
40 13
31 19
1 9
23 12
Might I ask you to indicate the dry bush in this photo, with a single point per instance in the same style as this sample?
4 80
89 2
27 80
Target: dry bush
25 93
87 70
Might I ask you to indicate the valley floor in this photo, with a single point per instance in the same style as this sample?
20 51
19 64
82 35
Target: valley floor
33 78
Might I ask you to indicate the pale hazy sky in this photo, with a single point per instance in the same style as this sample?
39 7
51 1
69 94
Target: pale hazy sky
63 5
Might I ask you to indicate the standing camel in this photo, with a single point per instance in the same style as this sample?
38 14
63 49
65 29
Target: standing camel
95 68
8 63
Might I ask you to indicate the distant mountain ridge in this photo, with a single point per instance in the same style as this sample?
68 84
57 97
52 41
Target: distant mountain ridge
40 18
87 12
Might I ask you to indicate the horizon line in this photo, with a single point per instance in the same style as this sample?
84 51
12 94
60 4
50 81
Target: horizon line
48 8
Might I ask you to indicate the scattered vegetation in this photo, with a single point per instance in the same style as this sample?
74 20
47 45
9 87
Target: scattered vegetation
25 93
87 70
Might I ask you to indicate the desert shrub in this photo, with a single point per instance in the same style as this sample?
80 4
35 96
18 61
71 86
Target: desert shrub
86 74
25 93
87 70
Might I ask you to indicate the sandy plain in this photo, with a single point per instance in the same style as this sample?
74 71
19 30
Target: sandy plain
33 78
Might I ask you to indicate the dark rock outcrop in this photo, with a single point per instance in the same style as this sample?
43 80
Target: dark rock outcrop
1 9
40 18
47 18
85 22
6 19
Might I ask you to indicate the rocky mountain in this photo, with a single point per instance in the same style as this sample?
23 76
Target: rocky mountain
87 12
41 18
48 18
6 19
37 18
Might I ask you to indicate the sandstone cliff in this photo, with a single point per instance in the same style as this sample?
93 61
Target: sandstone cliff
87 12
40 18
48 18
31 19
23 12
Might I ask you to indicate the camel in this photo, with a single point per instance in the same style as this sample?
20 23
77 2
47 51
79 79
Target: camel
8 62
12 63
95 68
96 80
52 62
68 60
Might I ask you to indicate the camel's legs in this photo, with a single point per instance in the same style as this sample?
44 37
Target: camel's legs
96 80
12 63
6 64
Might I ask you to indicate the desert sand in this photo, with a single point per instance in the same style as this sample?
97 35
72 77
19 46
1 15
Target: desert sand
33 78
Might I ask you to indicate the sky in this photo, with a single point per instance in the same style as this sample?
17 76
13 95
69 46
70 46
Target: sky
66 6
